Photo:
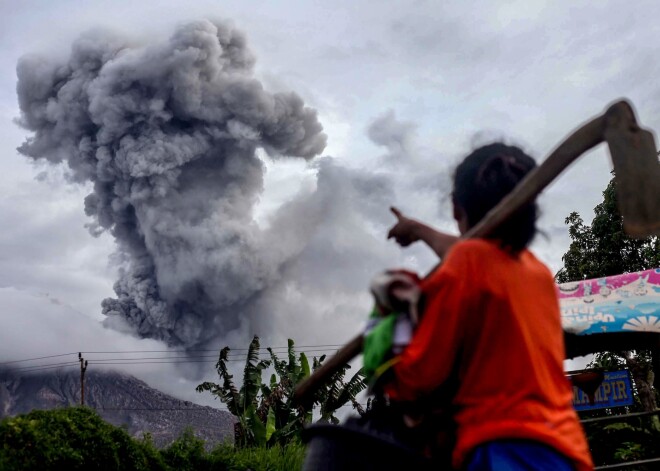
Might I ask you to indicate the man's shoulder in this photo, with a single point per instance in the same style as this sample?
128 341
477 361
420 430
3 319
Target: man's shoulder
473 248
535 264
485 252
467 254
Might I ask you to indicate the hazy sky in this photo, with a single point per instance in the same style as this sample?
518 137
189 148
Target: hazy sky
403 90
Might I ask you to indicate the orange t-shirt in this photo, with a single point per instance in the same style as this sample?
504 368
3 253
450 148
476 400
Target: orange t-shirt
493 319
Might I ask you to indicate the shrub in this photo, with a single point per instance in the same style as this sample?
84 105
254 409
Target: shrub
187 453
78 439
72 439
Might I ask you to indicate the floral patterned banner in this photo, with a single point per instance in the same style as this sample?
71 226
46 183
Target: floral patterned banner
621 303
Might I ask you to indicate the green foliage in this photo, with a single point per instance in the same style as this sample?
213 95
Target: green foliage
265 412
336 393
78 439
287 419
623 441
74 438
608 361
243 403
187 453
275 458
603 248
630 451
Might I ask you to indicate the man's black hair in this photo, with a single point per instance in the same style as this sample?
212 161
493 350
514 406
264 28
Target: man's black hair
483 178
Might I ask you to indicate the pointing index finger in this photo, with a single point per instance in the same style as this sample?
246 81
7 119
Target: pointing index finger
396 212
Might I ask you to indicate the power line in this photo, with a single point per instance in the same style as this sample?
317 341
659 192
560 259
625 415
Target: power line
188 357
153 358
45 368
129 362
164 362
162 408
49 365
297 350
151 362
52 367
197 357
36 358
197 409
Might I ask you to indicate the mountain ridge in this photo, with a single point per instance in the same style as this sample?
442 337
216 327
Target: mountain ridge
118 398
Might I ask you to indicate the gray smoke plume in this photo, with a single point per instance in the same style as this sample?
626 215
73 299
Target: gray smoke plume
396 136
168 135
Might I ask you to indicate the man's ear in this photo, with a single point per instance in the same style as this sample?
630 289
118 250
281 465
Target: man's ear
457 211
461 218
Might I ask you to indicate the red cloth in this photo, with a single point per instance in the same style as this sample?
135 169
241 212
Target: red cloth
496 317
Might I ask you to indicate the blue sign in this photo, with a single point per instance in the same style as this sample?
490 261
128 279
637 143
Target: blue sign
615 391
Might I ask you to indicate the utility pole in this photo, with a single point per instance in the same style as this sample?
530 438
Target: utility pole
83 368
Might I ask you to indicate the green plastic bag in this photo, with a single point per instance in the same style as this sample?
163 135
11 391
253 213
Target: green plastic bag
377 346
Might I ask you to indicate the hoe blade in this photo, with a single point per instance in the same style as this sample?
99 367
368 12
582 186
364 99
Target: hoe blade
636 171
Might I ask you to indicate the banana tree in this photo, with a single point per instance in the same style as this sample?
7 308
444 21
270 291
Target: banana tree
338 393
243 403
265 412
278 395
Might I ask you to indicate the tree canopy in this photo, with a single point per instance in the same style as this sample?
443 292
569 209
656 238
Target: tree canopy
603 248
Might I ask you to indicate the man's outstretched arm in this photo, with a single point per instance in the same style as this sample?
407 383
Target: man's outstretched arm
408 230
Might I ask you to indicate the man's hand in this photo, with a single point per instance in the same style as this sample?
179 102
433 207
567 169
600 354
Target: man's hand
405 231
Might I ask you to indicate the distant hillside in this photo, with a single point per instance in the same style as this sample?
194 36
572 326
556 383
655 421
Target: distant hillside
120 399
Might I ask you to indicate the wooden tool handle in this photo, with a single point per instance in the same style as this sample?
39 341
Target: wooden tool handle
581 140
306 388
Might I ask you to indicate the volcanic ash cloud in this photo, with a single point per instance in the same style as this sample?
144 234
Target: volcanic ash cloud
167 135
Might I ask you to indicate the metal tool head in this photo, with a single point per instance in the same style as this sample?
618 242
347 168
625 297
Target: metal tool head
636 170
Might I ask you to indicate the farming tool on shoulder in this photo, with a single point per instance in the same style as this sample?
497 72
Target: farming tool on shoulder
637 175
